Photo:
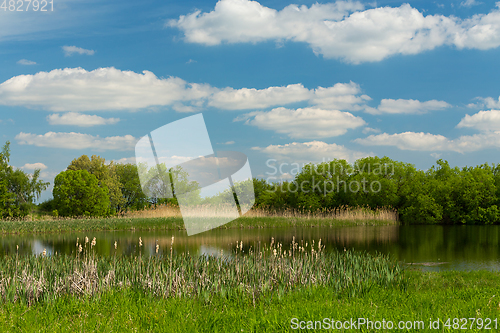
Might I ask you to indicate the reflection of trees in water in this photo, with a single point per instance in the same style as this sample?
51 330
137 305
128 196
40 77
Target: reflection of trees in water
408 243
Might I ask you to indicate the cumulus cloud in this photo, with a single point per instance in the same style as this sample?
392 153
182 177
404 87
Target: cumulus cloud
26 62
407 106
431 142
483 121
311 152
340 30
34 166
78 119
78 90
238 99
75 89
70 50
343 96
77 141
304 123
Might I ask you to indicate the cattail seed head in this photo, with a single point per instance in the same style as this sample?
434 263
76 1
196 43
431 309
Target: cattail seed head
44 253
116 244
157 248
140 242
93 242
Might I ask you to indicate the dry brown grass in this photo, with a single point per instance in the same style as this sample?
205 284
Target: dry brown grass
340 213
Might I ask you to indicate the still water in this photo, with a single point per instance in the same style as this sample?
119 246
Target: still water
428 247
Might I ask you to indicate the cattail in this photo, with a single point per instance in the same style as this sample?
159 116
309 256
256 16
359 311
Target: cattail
140 242
157 248
77 239
44 253
86 240
274 251
172 241
80 248
93 243
241 246
17 247
116 244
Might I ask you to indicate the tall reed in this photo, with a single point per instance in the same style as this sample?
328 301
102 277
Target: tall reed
270 270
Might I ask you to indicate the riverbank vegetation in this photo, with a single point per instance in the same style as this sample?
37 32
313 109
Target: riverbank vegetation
91 187
270 270
245 290
168 217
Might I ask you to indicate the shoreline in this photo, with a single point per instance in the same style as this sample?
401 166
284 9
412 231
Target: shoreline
172 223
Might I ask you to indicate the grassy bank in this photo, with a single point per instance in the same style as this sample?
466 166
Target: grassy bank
169 218
427 295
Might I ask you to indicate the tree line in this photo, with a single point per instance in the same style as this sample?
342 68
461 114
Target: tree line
442 194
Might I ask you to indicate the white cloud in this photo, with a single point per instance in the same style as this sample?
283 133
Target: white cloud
311 152
33 166
469 3
367 130
436 155
341 96
341 30
431 142
78 90
483 121
77 141
70 50
26 62
78 119
406 141
304 123
229 143
486 102
125 160
75 89
407 106
239 99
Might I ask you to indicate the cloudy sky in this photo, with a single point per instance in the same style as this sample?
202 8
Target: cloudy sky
296 82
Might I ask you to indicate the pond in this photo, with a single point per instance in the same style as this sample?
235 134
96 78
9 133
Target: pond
427 247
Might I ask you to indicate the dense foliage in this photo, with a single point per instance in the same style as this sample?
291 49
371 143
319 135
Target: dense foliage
78 193
442 194
18 190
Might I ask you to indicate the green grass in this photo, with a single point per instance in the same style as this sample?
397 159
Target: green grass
426 295
169 223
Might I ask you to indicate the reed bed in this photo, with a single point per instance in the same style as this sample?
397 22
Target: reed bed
338 213
271 270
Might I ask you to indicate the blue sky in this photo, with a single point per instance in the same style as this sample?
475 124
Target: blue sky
294 81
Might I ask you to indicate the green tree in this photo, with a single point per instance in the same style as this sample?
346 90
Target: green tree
18 190
77 193
106 176
130 186
6 197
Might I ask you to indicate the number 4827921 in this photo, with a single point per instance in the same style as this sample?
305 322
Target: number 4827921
27 5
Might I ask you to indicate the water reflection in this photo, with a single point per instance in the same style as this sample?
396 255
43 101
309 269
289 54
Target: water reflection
458 247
